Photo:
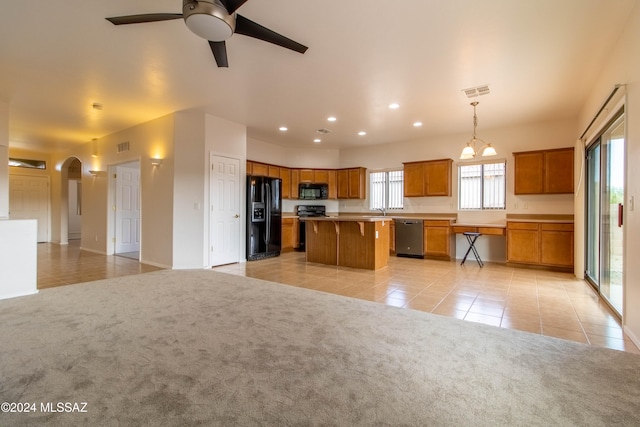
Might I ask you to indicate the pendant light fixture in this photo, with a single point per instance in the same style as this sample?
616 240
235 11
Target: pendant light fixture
469 151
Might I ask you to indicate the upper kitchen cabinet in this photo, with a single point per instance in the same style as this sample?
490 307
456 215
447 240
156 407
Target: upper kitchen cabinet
351 183
544 171
321 176
285 176
260 169
306 175
427 178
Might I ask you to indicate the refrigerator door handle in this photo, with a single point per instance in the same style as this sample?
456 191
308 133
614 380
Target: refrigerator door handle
267 213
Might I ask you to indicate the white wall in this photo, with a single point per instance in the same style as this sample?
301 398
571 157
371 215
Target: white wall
623 67
4 160
147 140
189 188
293 157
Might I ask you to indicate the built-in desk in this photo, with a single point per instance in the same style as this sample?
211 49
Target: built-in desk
489 229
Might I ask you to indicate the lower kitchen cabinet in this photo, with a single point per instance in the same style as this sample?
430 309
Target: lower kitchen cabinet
522 242
392 236
289 234
540 243
437 239
556 244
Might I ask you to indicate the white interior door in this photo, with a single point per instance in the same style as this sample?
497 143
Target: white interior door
127 213
29 199
225 218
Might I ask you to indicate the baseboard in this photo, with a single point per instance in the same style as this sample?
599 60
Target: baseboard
632 336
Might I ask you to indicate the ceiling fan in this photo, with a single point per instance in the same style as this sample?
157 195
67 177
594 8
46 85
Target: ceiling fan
215 21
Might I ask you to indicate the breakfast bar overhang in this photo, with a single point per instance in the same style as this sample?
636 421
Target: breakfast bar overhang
348 241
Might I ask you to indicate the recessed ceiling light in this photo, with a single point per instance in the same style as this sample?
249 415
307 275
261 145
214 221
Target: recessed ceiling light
417 124
317 140
283 128
331 119
362 133
394 106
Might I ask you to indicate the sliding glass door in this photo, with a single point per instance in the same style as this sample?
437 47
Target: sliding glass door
605 197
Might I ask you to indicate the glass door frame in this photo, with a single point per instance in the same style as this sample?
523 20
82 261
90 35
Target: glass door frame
598 277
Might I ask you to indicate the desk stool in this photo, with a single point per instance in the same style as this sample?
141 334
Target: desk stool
471 238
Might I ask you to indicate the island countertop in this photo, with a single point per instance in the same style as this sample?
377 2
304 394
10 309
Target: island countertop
358 218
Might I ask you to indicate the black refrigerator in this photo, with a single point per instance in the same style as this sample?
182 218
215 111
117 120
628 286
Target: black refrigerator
264 217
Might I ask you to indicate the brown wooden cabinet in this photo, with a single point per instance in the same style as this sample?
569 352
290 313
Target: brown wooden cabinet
287 242
333 184
260 169
437 239
540 243
544 171
413 179
357 183
321 176
285 176
295 181
351 183
306 175
428 178
556 244
342 178
522 242
273 171
392 236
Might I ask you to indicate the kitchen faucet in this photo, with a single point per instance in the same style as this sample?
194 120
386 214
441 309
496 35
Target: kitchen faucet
384 212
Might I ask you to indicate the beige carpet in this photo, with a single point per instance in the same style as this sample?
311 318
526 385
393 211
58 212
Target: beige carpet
183 348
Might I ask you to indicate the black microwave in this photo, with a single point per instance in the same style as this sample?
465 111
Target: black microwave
309 191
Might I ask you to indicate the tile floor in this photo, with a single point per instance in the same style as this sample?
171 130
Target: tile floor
66 264
541 302
547 303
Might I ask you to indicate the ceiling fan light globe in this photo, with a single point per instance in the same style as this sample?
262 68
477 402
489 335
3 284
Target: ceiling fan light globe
209 20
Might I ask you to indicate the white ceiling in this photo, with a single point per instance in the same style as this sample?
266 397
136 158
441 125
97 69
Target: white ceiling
539 58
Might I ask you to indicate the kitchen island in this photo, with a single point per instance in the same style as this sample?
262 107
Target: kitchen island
348 241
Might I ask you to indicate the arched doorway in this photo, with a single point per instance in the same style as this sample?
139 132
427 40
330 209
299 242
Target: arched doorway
70 200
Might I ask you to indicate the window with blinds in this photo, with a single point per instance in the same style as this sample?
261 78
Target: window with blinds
482 186
386 189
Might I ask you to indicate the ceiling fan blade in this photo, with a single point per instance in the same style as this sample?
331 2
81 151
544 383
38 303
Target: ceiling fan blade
232 5
140 19
247 27
219 50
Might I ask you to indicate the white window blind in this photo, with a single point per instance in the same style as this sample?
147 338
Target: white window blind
482 186
386 189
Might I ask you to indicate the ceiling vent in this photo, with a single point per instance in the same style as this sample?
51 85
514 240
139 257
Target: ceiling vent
323 131
472 92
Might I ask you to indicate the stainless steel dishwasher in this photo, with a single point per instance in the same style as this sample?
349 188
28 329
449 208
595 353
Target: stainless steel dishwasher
409 240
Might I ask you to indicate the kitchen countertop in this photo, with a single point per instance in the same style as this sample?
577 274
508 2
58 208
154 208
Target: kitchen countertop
359 218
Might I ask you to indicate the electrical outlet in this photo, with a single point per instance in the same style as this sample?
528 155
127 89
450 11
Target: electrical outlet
515 206
526 206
